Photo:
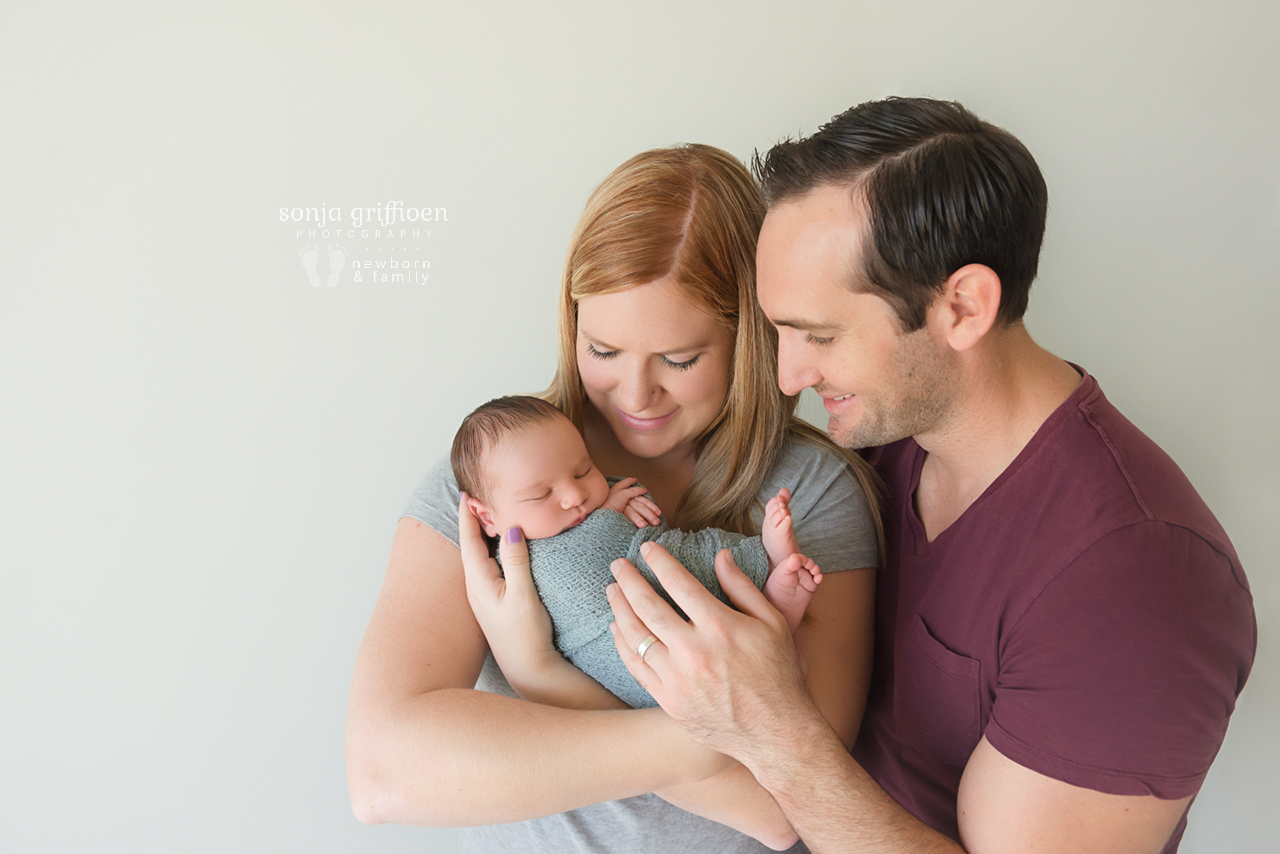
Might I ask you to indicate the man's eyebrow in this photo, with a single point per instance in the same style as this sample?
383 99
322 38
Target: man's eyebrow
803 325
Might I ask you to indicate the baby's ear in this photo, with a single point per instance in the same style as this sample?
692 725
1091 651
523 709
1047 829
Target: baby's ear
484 514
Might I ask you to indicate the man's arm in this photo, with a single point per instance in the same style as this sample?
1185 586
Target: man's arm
732 679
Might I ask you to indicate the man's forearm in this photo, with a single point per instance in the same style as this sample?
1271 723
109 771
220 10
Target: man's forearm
831 801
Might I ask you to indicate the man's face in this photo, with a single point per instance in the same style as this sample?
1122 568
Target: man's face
878 384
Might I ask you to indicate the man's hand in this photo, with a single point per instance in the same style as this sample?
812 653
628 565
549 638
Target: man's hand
629 499
731 678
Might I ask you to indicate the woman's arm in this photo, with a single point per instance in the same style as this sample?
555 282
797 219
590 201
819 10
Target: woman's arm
836 638
424 748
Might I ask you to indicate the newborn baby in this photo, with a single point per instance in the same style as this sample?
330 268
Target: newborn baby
523 464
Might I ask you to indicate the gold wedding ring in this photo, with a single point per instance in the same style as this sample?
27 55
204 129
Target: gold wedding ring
645 644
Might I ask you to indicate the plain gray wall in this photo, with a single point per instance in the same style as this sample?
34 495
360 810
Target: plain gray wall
204 456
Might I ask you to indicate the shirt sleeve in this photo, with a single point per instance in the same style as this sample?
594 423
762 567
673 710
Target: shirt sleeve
435 502
1121 675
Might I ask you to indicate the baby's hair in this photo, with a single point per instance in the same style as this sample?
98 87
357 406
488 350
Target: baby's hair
487 425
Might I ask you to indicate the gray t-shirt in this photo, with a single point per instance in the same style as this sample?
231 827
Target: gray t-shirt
833 525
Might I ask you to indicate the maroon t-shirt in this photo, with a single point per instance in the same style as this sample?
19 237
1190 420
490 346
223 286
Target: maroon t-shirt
1087 614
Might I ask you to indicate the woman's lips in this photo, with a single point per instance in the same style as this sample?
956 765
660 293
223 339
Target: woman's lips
645 423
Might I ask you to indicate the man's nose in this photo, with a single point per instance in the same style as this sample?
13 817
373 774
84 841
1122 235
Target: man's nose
795 373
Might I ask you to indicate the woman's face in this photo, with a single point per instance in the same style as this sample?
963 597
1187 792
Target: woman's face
654 365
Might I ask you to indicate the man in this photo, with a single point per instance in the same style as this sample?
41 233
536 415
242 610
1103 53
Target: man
1062 626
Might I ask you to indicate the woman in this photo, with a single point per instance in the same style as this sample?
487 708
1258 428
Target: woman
669 368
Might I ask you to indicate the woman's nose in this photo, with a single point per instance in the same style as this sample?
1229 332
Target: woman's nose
638 392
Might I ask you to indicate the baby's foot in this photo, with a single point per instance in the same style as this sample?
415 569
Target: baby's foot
791 586
337 260
776 533
309 256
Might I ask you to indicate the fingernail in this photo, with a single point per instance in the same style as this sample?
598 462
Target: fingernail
613 569
613 628
513 535
644 549
611 591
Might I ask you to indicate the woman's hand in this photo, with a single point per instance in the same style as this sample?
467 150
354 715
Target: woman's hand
508 609
516 623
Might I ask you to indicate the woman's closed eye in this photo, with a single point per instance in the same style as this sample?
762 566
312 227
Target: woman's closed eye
681 366
600 354
810 338
670 363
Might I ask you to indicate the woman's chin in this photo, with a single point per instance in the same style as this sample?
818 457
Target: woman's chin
648 446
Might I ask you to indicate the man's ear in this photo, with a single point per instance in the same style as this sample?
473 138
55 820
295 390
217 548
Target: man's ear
484 514
969 304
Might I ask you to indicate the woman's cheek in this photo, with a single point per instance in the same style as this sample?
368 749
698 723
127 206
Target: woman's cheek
594 378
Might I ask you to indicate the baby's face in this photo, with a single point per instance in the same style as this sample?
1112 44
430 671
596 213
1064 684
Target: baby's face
543 481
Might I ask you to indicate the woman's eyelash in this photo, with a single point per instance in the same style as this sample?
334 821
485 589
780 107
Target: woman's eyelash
812 339
600 354
681 366
609 354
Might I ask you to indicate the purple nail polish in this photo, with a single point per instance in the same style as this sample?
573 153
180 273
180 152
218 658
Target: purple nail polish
514 535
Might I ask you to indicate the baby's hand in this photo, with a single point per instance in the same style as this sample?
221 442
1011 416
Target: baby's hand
776 533
791 586
629 500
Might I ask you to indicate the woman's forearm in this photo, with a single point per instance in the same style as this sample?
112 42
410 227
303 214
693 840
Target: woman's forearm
424 748
458 757
557 682
734 798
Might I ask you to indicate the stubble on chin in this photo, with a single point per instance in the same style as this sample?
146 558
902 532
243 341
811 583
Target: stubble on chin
925 395
866 433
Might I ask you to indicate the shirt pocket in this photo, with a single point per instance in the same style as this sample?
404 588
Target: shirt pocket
937 699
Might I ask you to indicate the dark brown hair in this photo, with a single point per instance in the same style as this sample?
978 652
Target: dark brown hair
484 427
941 189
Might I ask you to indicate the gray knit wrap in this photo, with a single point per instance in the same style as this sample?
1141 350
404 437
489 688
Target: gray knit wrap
571 572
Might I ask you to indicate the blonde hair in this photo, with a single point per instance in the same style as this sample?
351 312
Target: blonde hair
692 213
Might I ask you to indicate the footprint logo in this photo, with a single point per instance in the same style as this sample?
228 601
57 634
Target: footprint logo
309 255
337 262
